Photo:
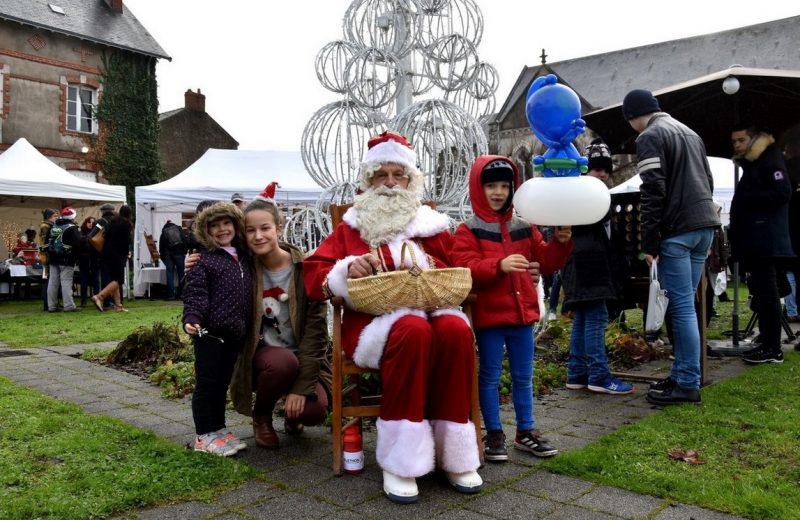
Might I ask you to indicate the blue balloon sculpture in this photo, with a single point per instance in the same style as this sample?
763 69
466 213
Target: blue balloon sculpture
554 112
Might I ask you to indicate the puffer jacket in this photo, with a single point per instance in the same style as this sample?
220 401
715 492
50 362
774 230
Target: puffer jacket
677 185
481 243
760 205
309 320
218 291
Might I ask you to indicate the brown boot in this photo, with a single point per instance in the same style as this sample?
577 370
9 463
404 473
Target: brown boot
264 432
117 295
107 291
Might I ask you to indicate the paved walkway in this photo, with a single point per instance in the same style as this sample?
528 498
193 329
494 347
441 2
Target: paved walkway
297 479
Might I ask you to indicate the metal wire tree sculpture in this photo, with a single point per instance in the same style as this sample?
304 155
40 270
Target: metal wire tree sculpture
391 52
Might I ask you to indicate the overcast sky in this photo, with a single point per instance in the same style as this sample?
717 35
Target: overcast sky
254 59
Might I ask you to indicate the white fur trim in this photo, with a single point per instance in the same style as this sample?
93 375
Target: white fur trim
456 446
427 223
405 448
396 247
452 312
337 279
391 152
373 338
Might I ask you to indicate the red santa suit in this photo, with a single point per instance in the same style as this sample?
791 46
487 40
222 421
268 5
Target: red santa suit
426 360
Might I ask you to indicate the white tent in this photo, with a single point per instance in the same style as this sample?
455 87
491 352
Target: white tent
721 169
215 176
30 182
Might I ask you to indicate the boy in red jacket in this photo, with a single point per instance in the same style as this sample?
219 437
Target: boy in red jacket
504 254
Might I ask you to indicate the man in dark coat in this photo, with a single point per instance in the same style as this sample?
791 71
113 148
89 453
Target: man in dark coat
760 233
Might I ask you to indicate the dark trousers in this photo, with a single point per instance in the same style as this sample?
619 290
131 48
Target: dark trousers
766 302
90 277
213 365
275 370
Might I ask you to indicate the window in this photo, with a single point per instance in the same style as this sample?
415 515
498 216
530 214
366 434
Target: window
81 103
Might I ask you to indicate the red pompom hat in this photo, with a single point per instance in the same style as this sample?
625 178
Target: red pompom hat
269 192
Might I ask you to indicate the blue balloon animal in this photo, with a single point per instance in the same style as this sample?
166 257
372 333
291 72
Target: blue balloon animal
554 112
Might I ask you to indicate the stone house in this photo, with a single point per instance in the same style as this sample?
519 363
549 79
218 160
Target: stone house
50 72
186 134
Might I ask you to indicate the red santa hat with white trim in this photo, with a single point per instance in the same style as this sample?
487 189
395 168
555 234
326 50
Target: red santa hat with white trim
269 192
390 147
275 292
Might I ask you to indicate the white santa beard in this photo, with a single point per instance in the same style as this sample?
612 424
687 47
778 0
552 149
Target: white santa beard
384 212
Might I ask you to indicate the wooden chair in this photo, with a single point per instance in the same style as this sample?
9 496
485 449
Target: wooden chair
346 375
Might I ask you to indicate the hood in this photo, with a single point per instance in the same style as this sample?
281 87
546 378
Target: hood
212 213
480 206
757 146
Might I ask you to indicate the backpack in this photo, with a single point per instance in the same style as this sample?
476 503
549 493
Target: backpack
56 245
172 236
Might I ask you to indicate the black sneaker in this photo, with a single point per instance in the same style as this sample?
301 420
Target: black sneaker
750 352
662 386
527 441
674 395
495 447
764 355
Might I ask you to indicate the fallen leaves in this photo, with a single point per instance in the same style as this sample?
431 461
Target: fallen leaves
690 456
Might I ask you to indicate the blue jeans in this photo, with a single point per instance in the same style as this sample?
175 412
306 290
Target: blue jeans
587 345
680 267
791 300
518 341
173 262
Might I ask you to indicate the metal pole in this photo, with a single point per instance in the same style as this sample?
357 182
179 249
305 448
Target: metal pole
735 313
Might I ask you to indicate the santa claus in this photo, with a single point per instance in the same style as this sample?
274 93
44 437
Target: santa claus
426 360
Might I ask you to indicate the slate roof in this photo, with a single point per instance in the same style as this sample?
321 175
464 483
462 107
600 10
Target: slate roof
603 80
90 20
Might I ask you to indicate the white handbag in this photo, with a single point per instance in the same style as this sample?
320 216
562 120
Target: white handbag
657 302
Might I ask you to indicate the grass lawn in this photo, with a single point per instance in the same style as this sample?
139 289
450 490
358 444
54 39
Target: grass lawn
56 461
25 324
747 434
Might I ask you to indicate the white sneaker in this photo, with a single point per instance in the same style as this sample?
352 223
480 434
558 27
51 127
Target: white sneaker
401 490
552 316
469 482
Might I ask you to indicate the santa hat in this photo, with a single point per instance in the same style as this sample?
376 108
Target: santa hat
390 147
68 213
269 192
275 292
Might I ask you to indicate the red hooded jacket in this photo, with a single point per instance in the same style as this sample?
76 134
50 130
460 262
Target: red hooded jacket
488 237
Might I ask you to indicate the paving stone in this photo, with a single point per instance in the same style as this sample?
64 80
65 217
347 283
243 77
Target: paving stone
347 490
684 512
578 513
181 510
586 430
252 492
300 476
554 487
619 502
510 505
496 474
288 505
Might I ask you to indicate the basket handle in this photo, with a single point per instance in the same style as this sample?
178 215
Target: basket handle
410 252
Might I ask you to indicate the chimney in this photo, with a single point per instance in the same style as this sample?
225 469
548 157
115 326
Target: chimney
115 5
195 100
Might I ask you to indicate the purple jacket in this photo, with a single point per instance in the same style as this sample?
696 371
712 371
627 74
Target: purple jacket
218 294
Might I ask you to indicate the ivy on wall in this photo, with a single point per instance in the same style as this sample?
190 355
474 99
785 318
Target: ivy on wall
126 146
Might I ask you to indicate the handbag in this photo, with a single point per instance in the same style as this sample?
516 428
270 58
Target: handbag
416 288
657 303
98 239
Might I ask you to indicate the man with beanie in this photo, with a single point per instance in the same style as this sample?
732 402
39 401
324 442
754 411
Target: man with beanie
426 360
678 221
591 280
504 253
759 233
62 249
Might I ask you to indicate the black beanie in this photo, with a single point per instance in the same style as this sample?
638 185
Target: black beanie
497 171
599 156
638 103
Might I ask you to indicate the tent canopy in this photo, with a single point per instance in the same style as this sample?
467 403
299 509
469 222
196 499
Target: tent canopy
219 173
27 176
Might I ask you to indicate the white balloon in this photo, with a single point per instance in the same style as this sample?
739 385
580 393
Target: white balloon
562 201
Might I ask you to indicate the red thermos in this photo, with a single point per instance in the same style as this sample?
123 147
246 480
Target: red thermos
353 450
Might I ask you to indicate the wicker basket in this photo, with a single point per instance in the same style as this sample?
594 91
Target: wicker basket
416 288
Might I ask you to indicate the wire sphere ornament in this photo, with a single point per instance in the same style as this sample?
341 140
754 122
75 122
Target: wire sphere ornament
334 141
305 229
452 62
443 18
477 108
373 78
485 81
447 141
331 64
338 195
387 25
420 83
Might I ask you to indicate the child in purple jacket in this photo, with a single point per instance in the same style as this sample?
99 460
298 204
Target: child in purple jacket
217 309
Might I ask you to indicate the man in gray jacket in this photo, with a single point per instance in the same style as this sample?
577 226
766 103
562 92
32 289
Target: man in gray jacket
678 221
